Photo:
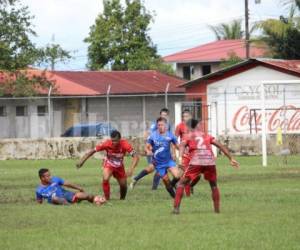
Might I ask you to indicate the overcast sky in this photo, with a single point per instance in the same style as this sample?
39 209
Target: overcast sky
179 24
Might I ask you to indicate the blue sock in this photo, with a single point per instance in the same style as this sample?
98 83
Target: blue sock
140 175
156 180
171 191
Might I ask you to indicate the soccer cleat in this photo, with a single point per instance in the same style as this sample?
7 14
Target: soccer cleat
176 210
132 184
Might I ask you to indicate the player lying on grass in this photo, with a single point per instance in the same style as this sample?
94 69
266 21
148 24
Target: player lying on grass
159 147
181 132
113 164
52 189
150 168
202 162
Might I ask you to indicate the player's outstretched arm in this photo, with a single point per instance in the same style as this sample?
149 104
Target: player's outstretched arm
74 186
134 162
148 149
233 162
85 157
182 146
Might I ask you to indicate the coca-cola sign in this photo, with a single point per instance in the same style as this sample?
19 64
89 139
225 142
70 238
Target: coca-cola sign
285 117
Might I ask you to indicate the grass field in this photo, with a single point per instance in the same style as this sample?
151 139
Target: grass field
260 209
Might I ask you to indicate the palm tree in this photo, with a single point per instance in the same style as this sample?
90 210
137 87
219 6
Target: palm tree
228 31
282 35
291 2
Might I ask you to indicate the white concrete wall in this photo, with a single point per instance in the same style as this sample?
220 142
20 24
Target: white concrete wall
215 66
126 114
243 94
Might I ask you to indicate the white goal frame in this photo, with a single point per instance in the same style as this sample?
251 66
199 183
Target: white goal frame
263 113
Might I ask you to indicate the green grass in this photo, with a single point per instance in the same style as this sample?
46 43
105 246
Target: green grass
260 209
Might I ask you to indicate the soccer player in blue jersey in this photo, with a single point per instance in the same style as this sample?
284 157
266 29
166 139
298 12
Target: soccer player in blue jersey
150 168
52 190
159 147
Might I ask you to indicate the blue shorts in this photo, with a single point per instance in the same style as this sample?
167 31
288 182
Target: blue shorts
69 196
162 169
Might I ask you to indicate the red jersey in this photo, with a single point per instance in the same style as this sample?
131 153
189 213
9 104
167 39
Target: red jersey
200 148
182 132
114 154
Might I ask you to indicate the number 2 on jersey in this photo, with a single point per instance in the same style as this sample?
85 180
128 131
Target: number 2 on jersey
200 141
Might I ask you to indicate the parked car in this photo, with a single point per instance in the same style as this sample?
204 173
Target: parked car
90 129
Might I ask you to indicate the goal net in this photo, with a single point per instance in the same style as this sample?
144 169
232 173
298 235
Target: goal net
280 122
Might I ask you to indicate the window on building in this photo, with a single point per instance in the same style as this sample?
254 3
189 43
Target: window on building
2 111
195 107
206 69
42 110
187 72
192 70
21 111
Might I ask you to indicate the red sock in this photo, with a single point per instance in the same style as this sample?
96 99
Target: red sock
216 199
178 196
106 189
187 189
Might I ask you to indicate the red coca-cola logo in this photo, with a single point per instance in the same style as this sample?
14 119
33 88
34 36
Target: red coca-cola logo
285 117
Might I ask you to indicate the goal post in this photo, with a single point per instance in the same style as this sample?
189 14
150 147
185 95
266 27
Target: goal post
263 86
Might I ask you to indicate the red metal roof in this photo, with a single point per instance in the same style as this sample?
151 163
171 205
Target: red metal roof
89 83
290 65
215 52
122 82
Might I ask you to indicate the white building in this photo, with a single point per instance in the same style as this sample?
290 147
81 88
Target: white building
231 98
204 59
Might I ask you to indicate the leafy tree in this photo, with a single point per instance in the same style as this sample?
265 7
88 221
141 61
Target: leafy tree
232 59
119 38
16 49
291 2
228 31
18 52
282 36
52 54
25 83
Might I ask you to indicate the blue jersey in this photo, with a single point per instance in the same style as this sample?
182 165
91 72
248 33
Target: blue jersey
53 189
161 146
153 127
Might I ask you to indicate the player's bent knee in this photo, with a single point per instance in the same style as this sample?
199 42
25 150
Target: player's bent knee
149 169
213 184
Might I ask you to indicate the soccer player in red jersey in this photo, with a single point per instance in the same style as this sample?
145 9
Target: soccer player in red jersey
202 162
181 132
113 165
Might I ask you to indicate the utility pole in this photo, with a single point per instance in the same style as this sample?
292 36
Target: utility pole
247 34
247 29
52 59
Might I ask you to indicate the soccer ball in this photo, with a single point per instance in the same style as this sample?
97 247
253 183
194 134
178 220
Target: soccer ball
99 200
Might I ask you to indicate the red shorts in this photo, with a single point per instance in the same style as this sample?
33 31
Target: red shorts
209 172
118 173
185 161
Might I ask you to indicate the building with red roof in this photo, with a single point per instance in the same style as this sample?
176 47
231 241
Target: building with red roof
130 100
231 98
205 59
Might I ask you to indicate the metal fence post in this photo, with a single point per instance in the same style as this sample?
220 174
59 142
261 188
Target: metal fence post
49 112
144 113
108 109
217 121
225 110
166 95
